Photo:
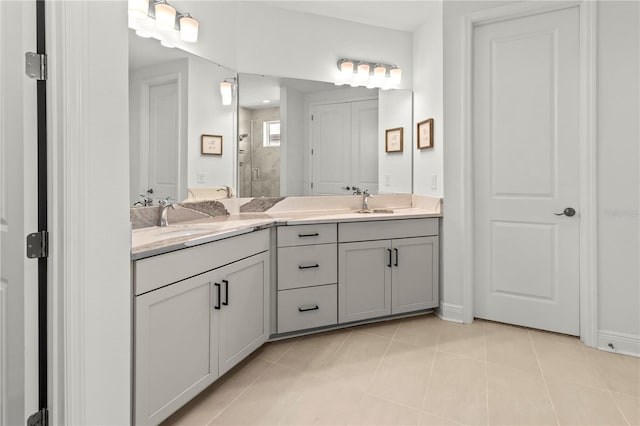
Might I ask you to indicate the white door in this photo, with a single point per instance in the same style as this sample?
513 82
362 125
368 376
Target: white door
18 209
331 148
164 140
525 150
364 139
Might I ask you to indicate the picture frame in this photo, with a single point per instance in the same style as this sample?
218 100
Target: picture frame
211 144
394 139
425 134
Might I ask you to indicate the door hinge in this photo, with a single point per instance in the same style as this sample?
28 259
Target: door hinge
35 65
311 151
311 185
38 245
39 418
311 117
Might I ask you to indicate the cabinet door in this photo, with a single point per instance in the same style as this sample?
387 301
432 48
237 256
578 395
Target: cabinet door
415 274
175 357
244 314
364 280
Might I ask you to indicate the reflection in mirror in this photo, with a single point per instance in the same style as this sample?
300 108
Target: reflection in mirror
175 99
300 137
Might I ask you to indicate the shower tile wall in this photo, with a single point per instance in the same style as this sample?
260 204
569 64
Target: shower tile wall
254 155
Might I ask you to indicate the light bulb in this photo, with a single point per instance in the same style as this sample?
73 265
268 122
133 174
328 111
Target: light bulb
225 92
346 68
165 16
139 8
378 74
188 28
363 72
395 75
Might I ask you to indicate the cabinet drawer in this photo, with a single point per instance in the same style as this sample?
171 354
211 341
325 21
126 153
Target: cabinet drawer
303 235
310 307
387 229
307 266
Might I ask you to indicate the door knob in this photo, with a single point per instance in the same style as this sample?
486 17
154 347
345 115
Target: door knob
567 212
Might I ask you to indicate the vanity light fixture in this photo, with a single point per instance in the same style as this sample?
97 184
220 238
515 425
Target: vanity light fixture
226 90
160 20
369 74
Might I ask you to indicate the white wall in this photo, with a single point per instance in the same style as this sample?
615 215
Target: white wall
253 38
618 112
292 143
207 115
428 102
394 169
618 140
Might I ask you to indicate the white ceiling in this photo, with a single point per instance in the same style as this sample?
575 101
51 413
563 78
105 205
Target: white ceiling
396 15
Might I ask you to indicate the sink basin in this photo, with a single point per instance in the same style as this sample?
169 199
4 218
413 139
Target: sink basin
175 233
364 211
152 235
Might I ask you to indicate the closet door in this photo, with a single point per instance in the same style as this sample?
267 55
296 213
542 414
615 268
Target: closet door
330 148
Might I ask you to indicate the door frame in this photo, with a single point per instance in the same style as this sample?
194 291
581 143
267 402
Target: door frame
587 155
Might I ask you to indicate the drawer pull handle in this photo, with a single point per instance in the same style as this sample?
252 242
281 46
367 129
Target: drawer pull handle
217 306
226 293
315 234
308 266
310 308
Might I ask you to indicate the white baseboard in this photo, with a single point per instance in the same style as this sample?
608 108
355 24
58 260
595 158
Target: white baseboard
450 312
626 344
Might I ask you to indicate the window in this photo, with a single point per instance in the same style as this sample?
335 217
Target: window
271 133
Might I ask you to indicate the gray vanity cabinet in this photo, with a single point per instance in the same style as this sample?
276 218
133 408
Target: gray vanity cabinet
387 267
190 332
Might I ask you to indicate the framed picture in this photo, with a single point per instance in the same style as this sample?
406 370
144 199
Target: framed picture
211 144
425 134
393 139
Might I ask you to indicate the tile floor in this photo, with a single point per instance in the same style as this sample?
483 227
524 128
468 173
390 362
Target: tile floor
424 371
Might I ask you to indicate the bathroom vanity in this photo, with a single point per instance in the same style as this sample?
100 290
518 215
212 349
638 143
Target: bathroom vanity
204 292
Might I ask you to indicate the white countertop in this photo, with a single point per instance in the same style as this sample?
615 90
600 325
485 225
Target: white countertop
152 241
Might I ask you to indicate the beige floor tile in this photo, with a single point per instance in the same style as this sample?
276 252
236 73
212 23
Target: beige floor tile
403 374
510 346
581 405
620 373
312 353
202 409
322 403
383 329
457 389
372 410
428 419
463 339
273 351
422 330
517 397
563 358
630 407
356 360
266 400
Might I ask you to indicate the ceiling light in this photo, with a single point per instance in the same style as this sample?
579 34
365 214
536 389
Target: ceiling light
369 74
188 28
165 16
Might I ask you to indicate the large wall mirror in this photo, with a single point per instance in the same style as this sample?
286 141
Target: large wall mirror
182 135
300 137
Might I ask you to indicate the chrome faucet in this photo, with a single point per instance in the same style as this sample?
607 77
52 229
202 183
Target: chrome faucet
365 199
227 190
164 206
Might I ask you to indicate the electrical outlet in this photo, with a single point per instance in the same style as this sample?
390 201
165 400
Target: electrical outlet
387 179
200 177
434 181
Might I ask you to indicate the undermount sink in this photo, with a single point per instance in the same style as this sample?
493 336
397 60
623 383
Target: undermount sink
364 211
174 233
152 235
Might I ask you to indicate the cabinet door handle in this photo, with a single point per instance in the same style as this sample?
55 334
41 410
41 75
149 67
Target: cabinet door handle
389 264
315 234
397 256
218 296
309 308
226 293
308 266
